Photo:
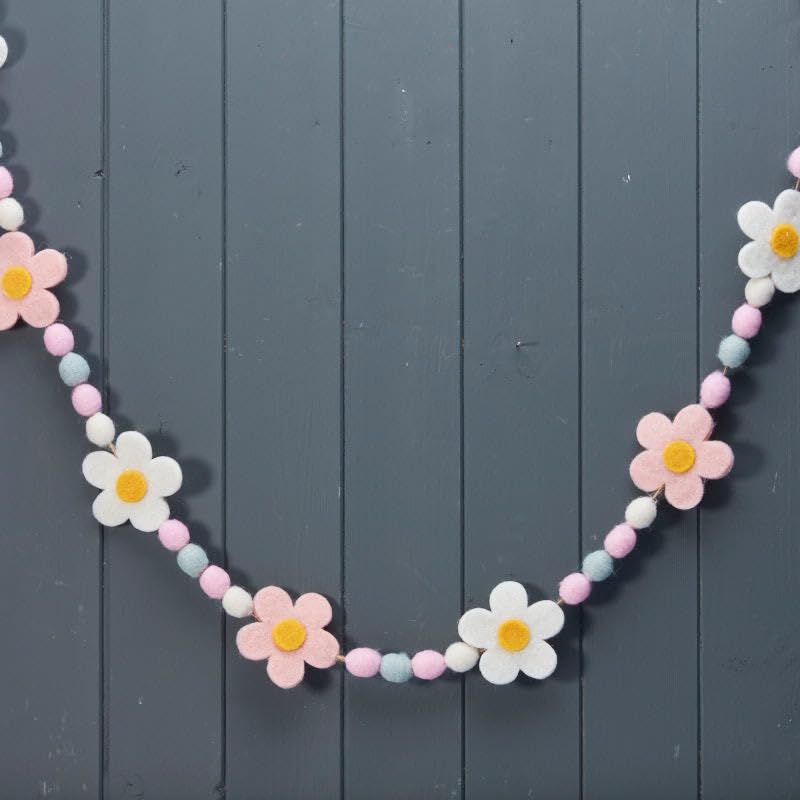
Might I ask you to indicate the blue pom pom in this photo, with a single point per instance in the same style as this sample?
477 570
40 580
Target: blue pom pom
396 667
192 559
73 369
733 351
598 566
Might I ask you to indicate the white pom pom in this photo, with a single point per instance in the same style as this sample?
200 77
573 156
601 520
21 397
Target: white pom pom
237 602
641 512
461 657
3 51
758 291
11 214
100 430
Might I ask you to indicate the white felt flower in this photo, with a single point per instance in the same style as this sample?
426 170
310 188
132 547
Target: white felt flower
775 249
134 483
513 634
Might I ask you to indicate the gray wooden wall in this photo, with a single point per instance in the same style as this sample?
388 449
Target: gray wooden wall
282 218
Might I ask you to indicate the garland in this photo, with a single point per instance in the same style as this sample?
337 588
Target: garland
509 637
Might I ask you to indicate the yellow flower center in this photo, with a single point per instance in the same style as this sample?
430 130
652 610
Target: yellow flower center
16 283
784 240
513 635
289 634
678 456
131 486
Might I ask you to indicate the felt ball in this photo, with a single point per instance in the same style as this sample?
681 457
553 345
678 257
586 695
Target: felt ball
427 665
396 667
3 50
100 430
214 581
192 559
86 400
237 602
641 512
597 566
575 588
793 162
6 183
620 540
733 351
11 214
58 339
173 534
363 662
461 657
759 291
715 390
73 369
746 321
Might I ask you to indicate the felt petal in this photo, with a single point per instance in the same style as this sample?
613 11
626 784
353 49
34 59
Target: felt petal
320 649
101 469
148 514
537 660
498 666
508 599
693 424
9 312
40 308
16 247
164 476
786 206
313 610
684 491
48 268
478 627
286 669
254 641
272 604
545 619
647 471
786 276
654 431
755 219
133 450
109 510
714 459
756 260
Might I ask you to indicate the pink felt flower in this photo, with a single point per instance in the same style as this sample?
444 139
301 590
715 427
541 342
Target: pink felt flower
289 635
25 277
678 455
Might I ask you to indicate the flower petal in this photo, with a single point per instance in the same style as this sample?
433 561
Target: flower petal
693 424
756 260
755 219
109 510
148 514
9 312
164 476
101 469
648 471
254 641
508 599
313 610
654 431
320 649
40 308
286 669
714 459
498 666
133 450
478 627
48 268
538 660
272 604
545 619
786 206
684 491
786 276
15 247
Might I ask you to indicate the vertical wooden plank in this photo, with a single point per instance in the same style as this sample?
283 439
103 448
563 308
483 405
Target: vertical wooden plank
639 355
283 369
749 85
164 344
402 378
51 617
521 412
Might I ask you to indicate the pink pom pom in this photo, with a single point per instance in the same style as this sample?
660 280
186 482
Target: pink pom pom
58 339
620 540
214 581
363 662
575 588
427 665
6 183
746 321
173 534
715 390
793 162
86 400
